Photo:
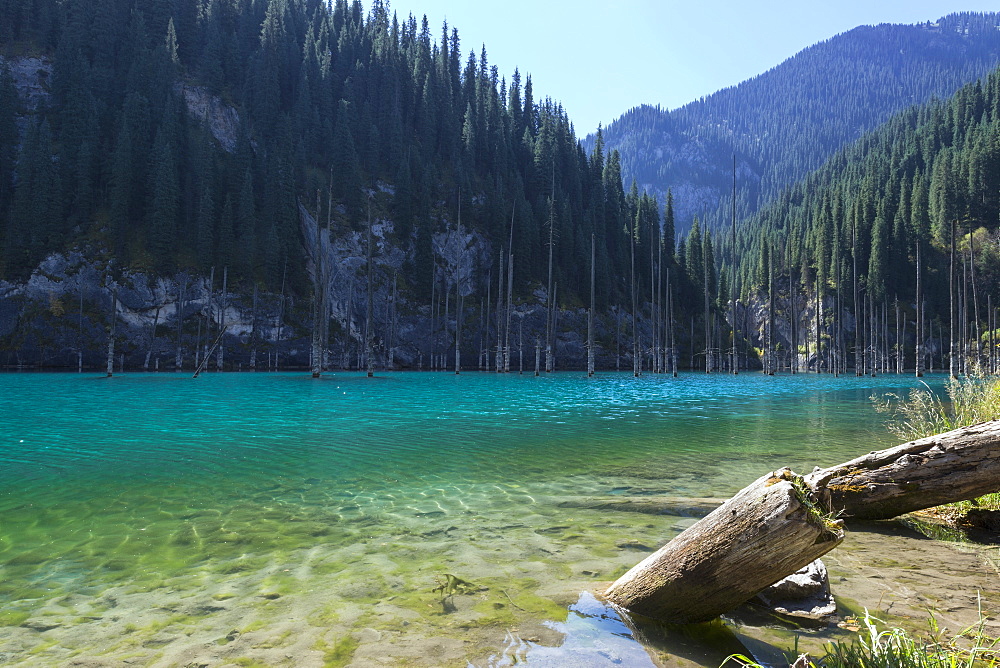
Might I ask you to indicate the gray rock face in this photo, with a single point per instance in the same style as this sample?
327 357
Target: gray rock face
31 78
223 120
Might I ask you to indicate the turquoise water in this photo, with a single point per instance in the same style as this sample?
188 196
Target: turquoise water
262 516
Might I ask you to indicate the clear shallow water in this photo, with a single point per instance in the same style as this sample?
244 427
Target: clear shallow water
152 515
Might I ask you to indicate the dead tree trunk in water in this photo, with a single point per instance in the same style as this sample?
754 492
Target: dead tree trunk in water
590 315
858 364
670 325
281 314
369 357
222 316
79 333
735 362
632 288
179 358
489 296
498 361
769 350
708 322
152 339
550 312
458 328
209 316
509 308
919 344
764 533
111 333
952 371
253 331
393 317
975 298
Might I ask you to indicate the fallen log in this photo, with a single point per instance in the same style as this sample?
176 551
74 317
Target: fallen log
652 505
769 530
954 466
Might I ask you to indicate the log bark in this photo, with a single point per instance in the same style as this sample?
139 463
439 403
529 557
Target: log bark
766 532
954 466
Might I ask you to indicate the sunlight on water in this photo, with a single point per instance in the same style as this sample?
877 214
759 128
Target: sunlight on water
272 515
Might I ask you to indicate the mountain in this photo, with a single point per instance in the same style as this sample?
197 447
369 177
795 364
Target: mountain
786 122
185 135
889 251
176 172
149 145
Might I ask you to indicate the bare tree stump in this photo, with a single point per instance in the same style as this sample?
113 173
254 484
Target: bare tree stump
769 530
954 466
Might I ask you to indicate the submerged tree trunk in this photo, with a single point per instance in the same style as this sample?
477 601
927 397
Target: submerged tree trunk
79 336
735 362
369 355
975 299
179 357
458 329
590 315
222 316
952 371
509 308
253 331
152 339
111 334
498 362
766 532
918 355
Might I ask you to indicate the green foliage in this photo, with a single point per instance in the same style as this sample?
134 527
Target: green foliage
970 400
894 648
928 168
329 101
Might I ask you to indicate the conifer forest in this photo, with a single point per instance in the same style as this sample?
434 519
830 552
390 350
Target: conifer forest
254 184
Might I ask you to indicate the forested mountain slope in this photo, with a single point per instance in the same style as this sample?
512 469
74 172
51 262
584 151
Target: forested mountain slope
924 185
352 114
184 140
786 122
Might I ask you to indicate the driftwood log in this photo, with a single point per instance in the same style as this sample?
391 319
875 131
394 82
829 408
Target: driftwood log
945 468
783 521
767 531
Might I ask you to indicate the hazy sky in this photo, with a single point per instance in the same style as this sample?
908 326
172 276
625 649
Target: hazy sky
601 58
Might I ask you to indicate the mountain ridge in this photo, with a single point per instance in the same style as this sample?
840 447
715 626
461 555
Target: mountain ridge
842 87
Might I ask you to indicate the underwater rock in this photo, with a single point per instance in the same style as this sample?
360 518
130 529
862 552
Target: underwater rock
805 594
41 625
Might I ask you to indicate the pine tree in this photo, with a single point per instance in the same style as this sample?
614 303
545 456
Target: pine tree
164 209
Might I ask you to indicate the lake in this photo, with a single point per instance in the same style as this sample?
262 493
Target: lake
407 519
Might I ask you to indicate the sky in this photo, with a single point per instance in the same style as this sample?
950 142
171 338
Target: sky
600 58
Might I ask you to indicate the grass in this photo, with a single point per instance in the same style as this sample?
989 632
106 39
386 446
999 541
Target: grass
877 647
970 400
